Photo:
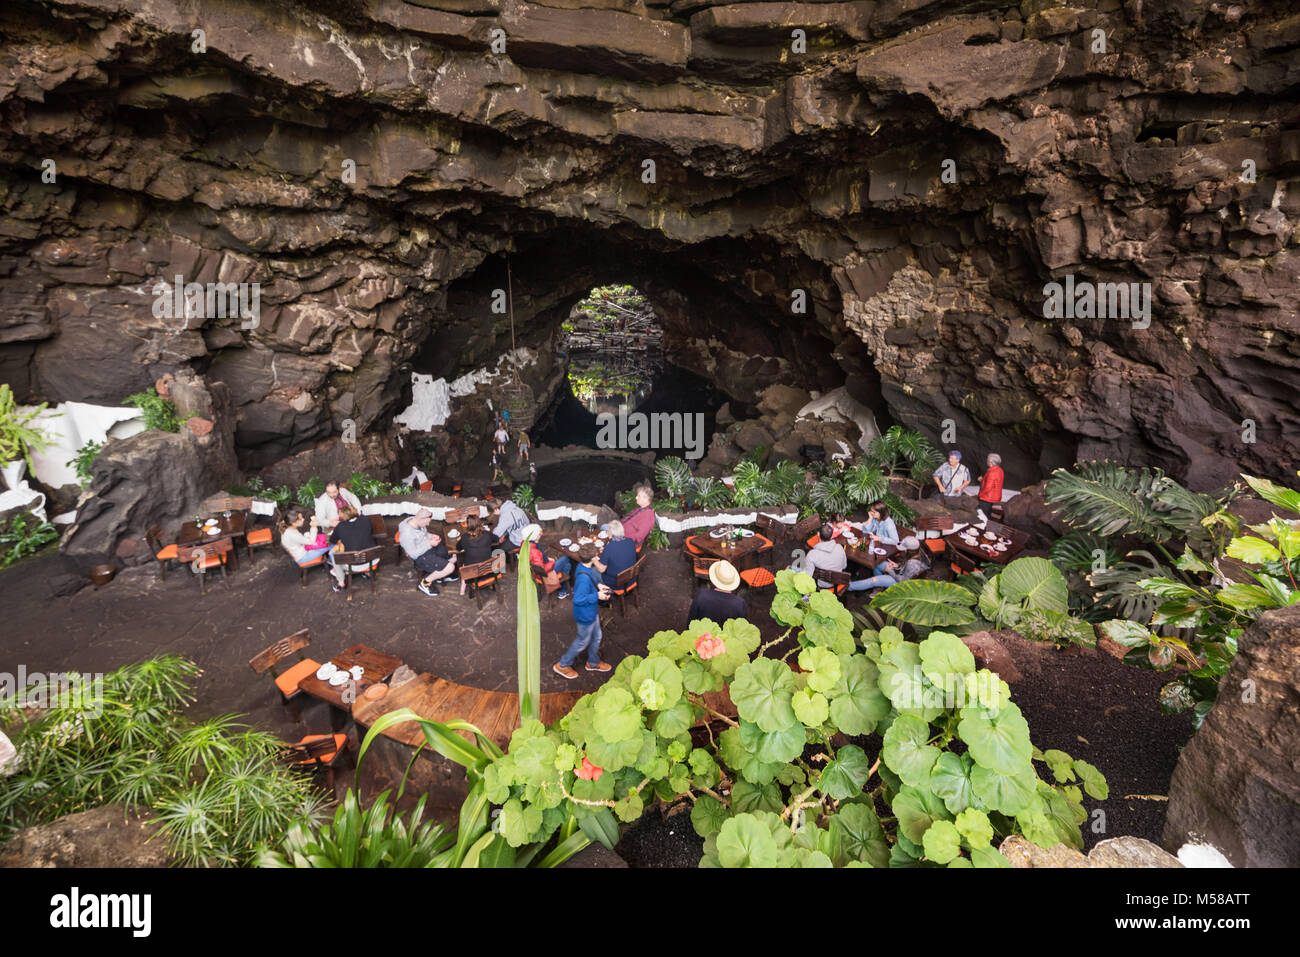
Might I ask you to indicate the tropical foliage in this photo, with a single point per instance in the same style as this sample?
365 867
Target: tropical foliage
1183 612
24 535
778 787
525 498
159 413
375 837
903 453
18 437
216 788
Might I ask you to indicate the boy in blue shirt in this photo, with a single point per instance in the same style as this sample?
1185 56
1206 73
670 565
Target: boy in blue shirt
588 590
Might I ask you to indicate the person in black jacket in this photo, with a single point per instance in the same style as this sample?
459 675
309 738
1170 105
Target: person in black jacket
354 533
475 545
719 603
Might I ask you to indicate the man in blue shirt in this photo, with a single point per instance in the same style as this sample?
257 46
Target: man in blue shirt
588 590
619 554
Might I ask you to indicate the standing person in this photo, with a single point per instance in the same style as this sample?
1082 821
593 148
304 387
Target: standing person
991 485
426 551
638 522
331 501
588 591
501 437
353 532
511 520
951 477
719 603
906 565
524 444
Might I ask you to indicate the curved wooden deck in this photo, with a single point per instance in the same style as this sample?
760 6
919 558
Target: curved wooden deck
495 713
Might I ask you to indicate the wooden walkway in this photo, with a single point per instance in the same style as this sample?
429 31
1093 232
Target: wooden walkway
495 713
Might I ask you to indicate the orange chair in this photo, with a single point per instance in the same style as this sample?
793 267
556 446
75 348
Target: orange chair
758 578
204 556
317 751
316 562
366 559
839 581
261 537
941 524
478 576
702 565
163 553
287 682
426 486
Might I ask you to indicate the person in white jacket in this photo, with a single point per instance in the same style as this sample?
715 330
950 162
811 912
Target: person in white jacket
327 505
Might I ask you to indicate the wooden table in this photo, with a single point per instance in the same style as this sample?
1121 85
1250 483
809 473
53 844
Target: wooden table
982 554
376 666
726 548
495 713
865 558
233 526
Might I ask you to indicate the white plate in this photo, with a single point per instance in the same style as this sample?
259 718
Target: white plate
325 671
746 533
717 533
602 535
566 542
573 548
452 533
213 531
1001 548
340 678
877 551
211 521
357 672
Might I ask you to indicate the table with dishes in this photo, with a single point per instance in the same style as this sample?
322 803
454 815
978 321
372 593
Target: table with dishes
862 551
983 544
730 542
209 530
348 674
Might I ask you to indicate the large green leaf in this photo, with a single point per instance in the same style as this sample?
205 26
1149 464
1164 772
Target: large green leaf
856 835
782 745
665 683
908 752
708 815
1107 499
745 842
528 645
1034 583
903 683
942 842
997 740
857 704
616 716
928 603
1276 494
950 780
944 654
1008 793
761 691
844 777
734 753
917 809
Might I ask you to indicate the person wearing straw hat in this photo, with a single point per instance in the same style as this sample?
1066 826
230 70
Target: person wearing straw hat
719 603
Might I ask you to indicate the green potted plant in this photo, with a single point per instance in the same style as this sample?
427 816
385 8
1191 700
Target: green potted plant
18 437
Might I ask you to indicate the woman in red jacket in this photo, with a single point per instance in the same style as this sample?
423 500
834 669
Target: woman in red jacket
991 485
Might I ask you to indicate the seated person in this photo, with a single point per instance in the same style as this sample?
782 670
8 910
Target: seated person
879 527
476 545
354 533
910 562
426 550
619 554
535 554
951 477
638 523
510 521
305 543
329 502
720 602
827 554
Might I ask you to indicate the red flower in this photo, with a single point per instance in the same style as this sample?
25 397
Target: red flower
588 771
709 647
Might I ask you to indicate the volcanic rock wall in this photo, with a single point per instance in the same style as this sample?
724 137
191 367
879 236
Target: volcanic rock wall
371 163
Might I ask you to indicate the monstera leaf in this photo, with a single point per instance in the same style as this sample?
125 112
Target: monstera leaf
924 602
